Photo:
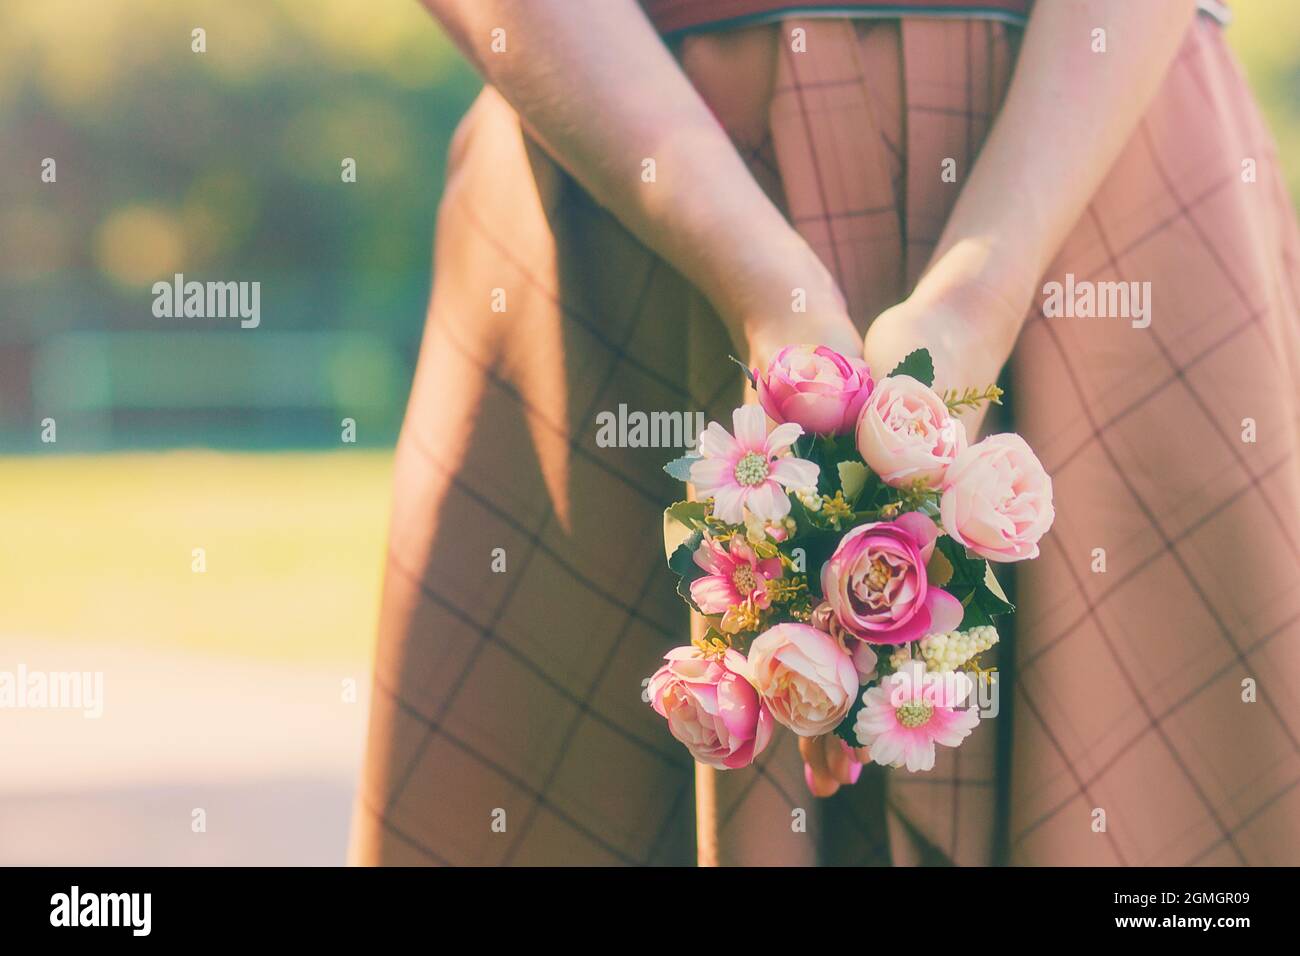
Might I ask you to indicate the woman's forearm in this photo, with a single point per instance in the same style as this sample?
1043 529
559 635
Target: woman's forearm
1067 115
597 87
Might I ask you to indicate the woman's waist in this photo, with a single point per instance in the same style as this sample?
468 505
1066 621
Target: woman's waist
680 16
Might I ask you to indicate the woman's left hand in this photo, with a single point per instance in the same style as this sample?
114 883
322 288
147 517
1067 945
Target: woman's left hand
969 329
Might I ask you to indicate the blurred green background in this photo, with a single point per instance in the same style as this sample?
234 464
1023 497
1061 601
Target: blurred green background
220 165
176 434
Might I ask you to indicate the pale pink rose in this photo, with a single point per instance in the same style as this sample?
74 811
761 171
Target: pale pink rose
997 499
815 387
806 678
905 433
876 582
711 707
910 711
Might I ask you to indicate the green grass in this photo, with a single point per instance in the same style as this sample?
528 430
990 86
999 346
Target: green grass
1265 35
99 548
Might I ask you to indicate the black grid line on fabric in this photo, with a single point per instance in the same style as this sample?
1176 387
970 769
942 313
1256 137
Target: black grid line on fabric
586 323
538 541
1111 590
480 644
573 441
436 729
398 832
1251 818
649 581
530 665
1192 582
823 203
1162 716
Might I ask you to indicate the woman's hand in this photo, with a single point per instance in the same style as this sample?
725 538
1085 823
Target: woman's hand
969 328
595 85
776 275
1065 119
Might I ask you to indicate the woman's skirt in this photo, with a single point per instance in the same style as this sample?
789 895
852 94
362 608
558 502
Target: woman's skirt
1149 702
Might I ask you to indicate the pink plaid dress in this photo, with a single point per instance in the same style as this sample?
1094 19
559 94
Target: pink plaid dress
507 725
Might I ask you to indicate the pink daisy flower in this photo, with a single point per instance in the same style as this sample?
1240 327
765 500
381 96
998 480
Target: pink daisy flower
910 711
750 470
736 575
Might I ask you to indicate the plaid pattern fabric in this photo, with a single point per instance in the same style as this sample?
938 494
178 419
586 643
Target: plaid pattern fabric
515 696
672 16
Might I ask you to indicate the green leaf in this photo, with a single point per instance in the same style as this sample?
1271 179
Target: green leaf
919 365
853 478
975 616
682 563
749 372
970 585
688 513
682 560
680 522
939 571
845 728
680 468
684 591
995 586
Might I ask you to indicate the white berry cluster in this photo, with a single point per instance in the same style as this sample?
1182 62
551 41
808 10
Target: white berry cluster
900 656
809 498
947 652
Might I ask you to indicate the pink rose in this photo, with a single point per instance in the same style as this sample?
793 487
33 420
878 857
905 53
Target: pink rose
711 707
906 433
806 678
997 499
815 387
876 584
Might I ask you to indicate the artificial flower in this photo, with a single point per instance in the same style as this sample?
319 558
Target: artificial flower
997 499
816 387
806 677
750 470
906 433
876 582
736 576
909 712
711 707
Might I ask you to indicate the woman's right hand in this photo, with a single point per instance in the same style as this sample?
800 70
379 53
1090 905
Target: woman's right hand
759 299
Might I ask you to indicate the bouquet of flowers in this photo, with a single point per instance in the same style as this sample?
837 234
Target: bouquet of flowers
841 562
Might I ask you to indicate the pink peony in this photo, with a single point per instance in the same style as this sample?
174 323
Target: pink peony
997 499
711 707
815 387
735 575
807 679
748 471
876 584
906 433
910 711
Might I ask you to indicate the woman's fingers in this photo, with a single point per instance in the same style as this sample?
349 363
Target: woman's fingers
767 336
817 774
829 762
